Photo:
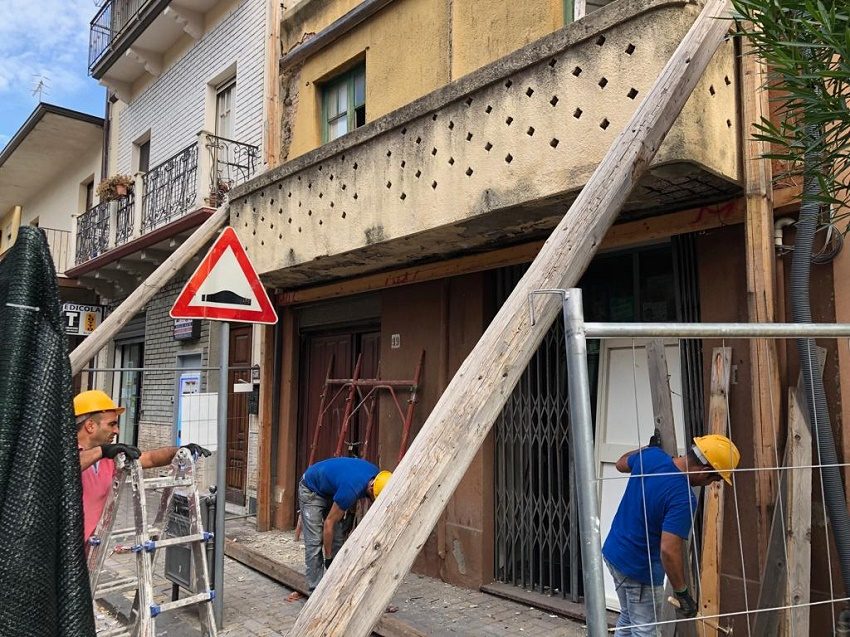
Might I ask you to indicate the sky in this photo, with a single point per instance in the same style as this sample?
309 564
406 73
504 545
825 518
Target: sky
49 39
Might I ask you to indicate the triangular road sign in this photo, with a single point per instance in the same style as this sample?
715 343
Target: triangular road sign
225 287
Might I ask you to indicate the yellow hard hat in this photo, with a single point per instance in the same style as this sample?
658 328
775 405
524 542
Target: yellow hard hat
93 401
718 451
380 482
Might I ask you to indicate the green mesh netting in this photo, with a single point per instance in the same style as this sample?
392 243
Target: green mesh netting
44 587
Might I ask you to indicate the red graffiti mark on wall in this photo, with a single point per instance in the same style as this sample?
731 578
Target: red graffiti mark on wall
724 213
400 279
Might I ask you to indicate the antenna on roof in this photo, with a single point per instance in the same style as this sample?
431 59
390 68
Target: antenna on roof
41 87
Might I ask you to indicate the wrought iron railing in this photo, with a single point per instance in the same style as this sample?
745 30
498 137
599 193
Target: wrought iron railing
109 23
92 232
231 163
124 218
170 189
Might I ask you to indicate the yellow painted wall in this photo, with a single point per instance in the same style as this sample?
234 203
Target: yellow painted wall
411 47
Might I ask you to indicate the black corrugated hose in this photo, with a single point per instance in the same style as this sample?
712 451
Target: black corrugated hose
44 586
801 312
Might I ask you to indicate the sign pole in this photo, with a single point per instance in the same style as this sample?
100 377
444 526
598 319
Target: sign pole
220 473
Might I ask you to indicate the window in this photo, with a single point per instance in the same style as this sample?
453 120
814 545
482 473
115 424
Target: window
145 156
89 195
224 109
344 104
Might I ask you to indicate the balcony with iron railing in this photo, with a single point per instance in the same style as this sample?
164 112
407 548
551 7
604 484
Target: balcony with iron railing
197 177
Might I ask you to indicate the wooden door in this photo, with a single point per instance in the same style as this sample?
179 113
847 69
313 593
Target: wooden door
237 415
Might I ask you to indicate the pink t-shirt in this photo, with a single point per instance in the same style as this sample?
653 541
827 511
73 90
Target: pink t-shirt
97 481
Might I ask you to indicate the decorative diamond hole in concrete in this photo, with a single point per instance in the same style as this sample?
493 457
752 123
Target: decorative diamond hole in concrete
434 117
299 228
577 113
418 140
262 219
389 153
290 220
489 109
529 91
600 40
469 172
332 204
356 195
404 131
299 204
403 196
509 84
509 121
469 101
509 158
434 185
403 164
320 222
451 125
554 143
576 71
630 49
711 90
530 131
434 151
299 179
330 177
488 146
603 82
320 167
727 80
321 194
633 93
344 215
389 184
344 186
279 211
451 161
342 158
271 202
280 236
554 101
469 137
418 174
604 123
271 226
309 185
553 62
729 123
355 166
309 213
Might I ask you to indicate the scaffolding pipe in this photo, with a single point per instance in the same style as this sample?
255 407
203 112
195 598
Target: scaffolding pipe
581 431
716 330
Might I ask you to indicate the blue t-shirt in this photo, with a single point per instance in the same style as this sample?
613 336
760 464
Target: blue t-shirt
670 503
344 480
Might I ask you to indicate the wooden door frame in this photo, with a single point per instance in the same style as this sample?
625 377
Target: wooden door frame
244 491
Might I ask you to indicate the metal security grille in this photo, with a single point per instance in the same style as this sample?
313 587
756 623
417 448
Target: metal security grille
536 522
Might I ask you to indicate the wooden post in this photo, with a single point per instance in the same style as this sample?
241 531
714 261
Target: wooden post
268 378
356 589
104 332
764 363
271 103
712 526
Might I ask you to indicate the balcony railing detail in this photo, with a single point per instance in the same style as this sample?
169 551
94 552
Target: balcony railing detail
231 163
59 243
124 218
170 189
92 232
109 23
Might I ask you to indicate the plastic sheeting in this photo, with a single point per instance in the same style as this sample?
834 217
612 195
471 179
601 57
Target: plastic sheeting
44 588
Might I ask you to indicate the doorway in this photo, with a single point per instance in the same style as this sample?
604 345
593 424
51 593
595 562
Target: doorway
127 387
237 414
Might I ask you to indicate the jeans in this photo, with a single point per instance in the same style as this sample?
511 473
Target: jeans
639 604
314 510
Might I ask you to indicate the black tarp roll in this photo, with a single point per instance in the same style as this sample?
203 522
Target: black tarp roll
44 588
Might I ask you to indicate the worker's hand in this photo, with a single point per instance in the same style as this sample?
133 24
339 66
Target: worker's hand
655 440
687 604
197 450
328 561
110 451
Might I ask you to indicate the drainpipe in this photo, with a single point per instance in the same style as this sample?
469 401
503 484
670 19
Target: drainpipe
778 227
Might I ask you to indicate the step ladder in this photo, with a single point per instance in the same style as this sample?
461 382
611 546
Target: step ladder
146 540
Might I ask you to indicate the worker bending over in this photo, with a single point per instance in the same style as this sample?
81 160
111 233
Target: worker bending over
97 429
327 493
654 519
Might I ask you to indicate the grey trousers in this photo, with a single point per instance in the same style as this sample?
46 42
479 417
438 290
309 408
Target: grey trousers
314 510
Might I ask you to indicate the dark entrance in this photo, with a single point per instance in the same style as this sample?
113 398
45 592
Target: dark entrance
237 415
342 347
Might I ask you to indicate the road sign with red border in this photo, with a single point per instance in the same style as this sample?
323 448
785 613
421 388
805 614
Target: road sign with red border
225 287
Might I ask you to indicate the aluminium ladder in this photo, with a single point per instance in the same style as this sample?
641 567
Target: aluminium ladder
146 540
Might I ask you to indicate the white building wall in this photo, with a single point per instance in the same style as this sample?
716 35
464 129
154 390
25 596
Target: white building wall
175 107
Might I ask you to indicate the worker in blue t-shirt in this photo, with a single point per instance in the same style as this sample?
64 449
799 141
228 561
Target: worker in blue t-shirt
654 519
327 491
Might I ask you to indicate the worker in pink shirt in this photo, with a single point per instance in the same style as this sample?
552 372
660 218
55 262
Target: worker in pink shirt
97 428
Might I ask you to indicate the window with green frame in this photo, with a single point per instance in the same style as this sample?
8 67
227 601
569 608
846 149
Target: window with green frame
344 103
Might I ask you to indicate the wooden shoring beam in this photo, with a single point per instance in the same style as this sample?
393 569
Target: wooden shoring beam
363 577
761 273
104 332
712 519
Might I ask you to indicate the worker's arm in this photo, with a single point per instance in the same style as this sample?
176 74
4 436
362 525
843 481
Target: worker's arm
673 559
89 456
157 457
335 515
623 463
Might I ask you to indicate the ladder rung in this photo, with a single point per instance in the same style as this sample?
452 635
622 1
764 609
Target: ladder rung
175 541
131 532
180 603
167 481
117 586
118 631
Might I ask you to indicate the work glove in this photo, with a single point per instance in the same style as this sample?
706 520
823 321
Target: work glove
687 604
110 451
197 450
328 561
655 440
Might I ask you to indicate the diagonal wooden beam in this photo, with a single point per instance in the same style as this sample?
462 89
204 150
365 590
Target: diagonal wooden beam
356 589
